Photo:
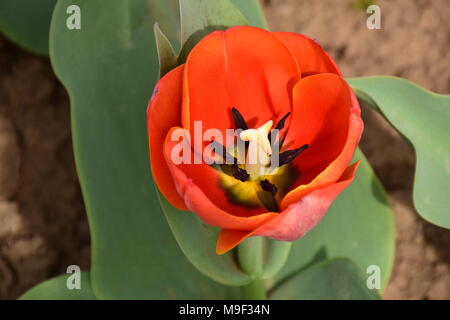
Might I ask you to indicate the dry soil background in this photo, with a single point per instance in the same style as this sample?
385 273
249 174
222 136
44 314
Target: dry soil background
43 226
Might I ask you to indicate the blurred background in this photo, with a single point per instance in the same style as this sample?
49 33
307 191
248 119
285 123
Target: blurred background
43 226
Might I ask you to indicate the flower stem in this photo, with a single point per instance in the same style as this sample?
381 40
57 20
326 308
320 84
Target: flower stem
254 290
250 256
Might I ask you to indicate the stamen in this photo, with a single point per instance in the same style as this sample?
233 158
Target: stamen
239 121
239 173
280 124
222 151
278 127
255 157
266 185
268 200
276 147
289 155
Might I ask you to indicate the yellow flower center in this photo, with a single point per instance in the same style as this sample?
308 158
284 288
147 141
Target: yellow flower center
259 174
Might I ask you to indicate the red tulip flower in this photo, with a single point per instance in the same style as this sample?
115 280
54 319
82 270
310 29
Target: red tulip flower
253 80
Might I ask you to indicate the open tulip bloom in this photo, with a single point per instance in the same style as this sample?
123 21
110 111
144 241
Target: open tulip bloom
254 134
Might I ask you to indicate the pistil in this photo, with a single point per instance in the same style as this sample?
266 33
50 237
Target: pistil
259 149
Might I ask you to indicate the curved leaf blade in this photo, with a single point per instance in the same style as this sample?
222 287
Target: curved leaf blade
198 242
27 22
56 289
359 225
109 70
167 58
423 118
199 18
251 9
335 279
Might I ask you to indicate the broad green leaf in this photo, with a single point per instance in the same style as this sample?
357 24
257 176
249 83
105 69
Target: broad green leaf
198 242
199 18
359 225
109 70
335 279
56 289
166 55
251 9
27 22
423 118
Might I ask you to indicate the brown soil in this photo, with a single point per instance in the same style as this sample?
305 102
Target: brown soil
43 226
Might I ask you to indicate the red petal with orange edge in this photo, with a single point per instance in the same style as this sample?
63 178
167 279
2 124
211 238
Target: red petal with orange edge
163 113
243 67
293 222
321 119
336 168
309 55
228 239
331 171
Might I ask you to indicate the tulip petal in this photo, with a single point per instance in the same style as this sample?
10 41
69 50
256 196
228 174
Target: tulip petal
310 56
296 220
336 167
163 113
228 239
198 185
321 119
243 67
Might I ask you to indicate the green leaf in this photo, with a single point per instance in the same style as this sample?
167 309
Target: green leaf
423 118
251 9
335 279
359 225
56 289
27 22
198 240
166 55
109 70
200 17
